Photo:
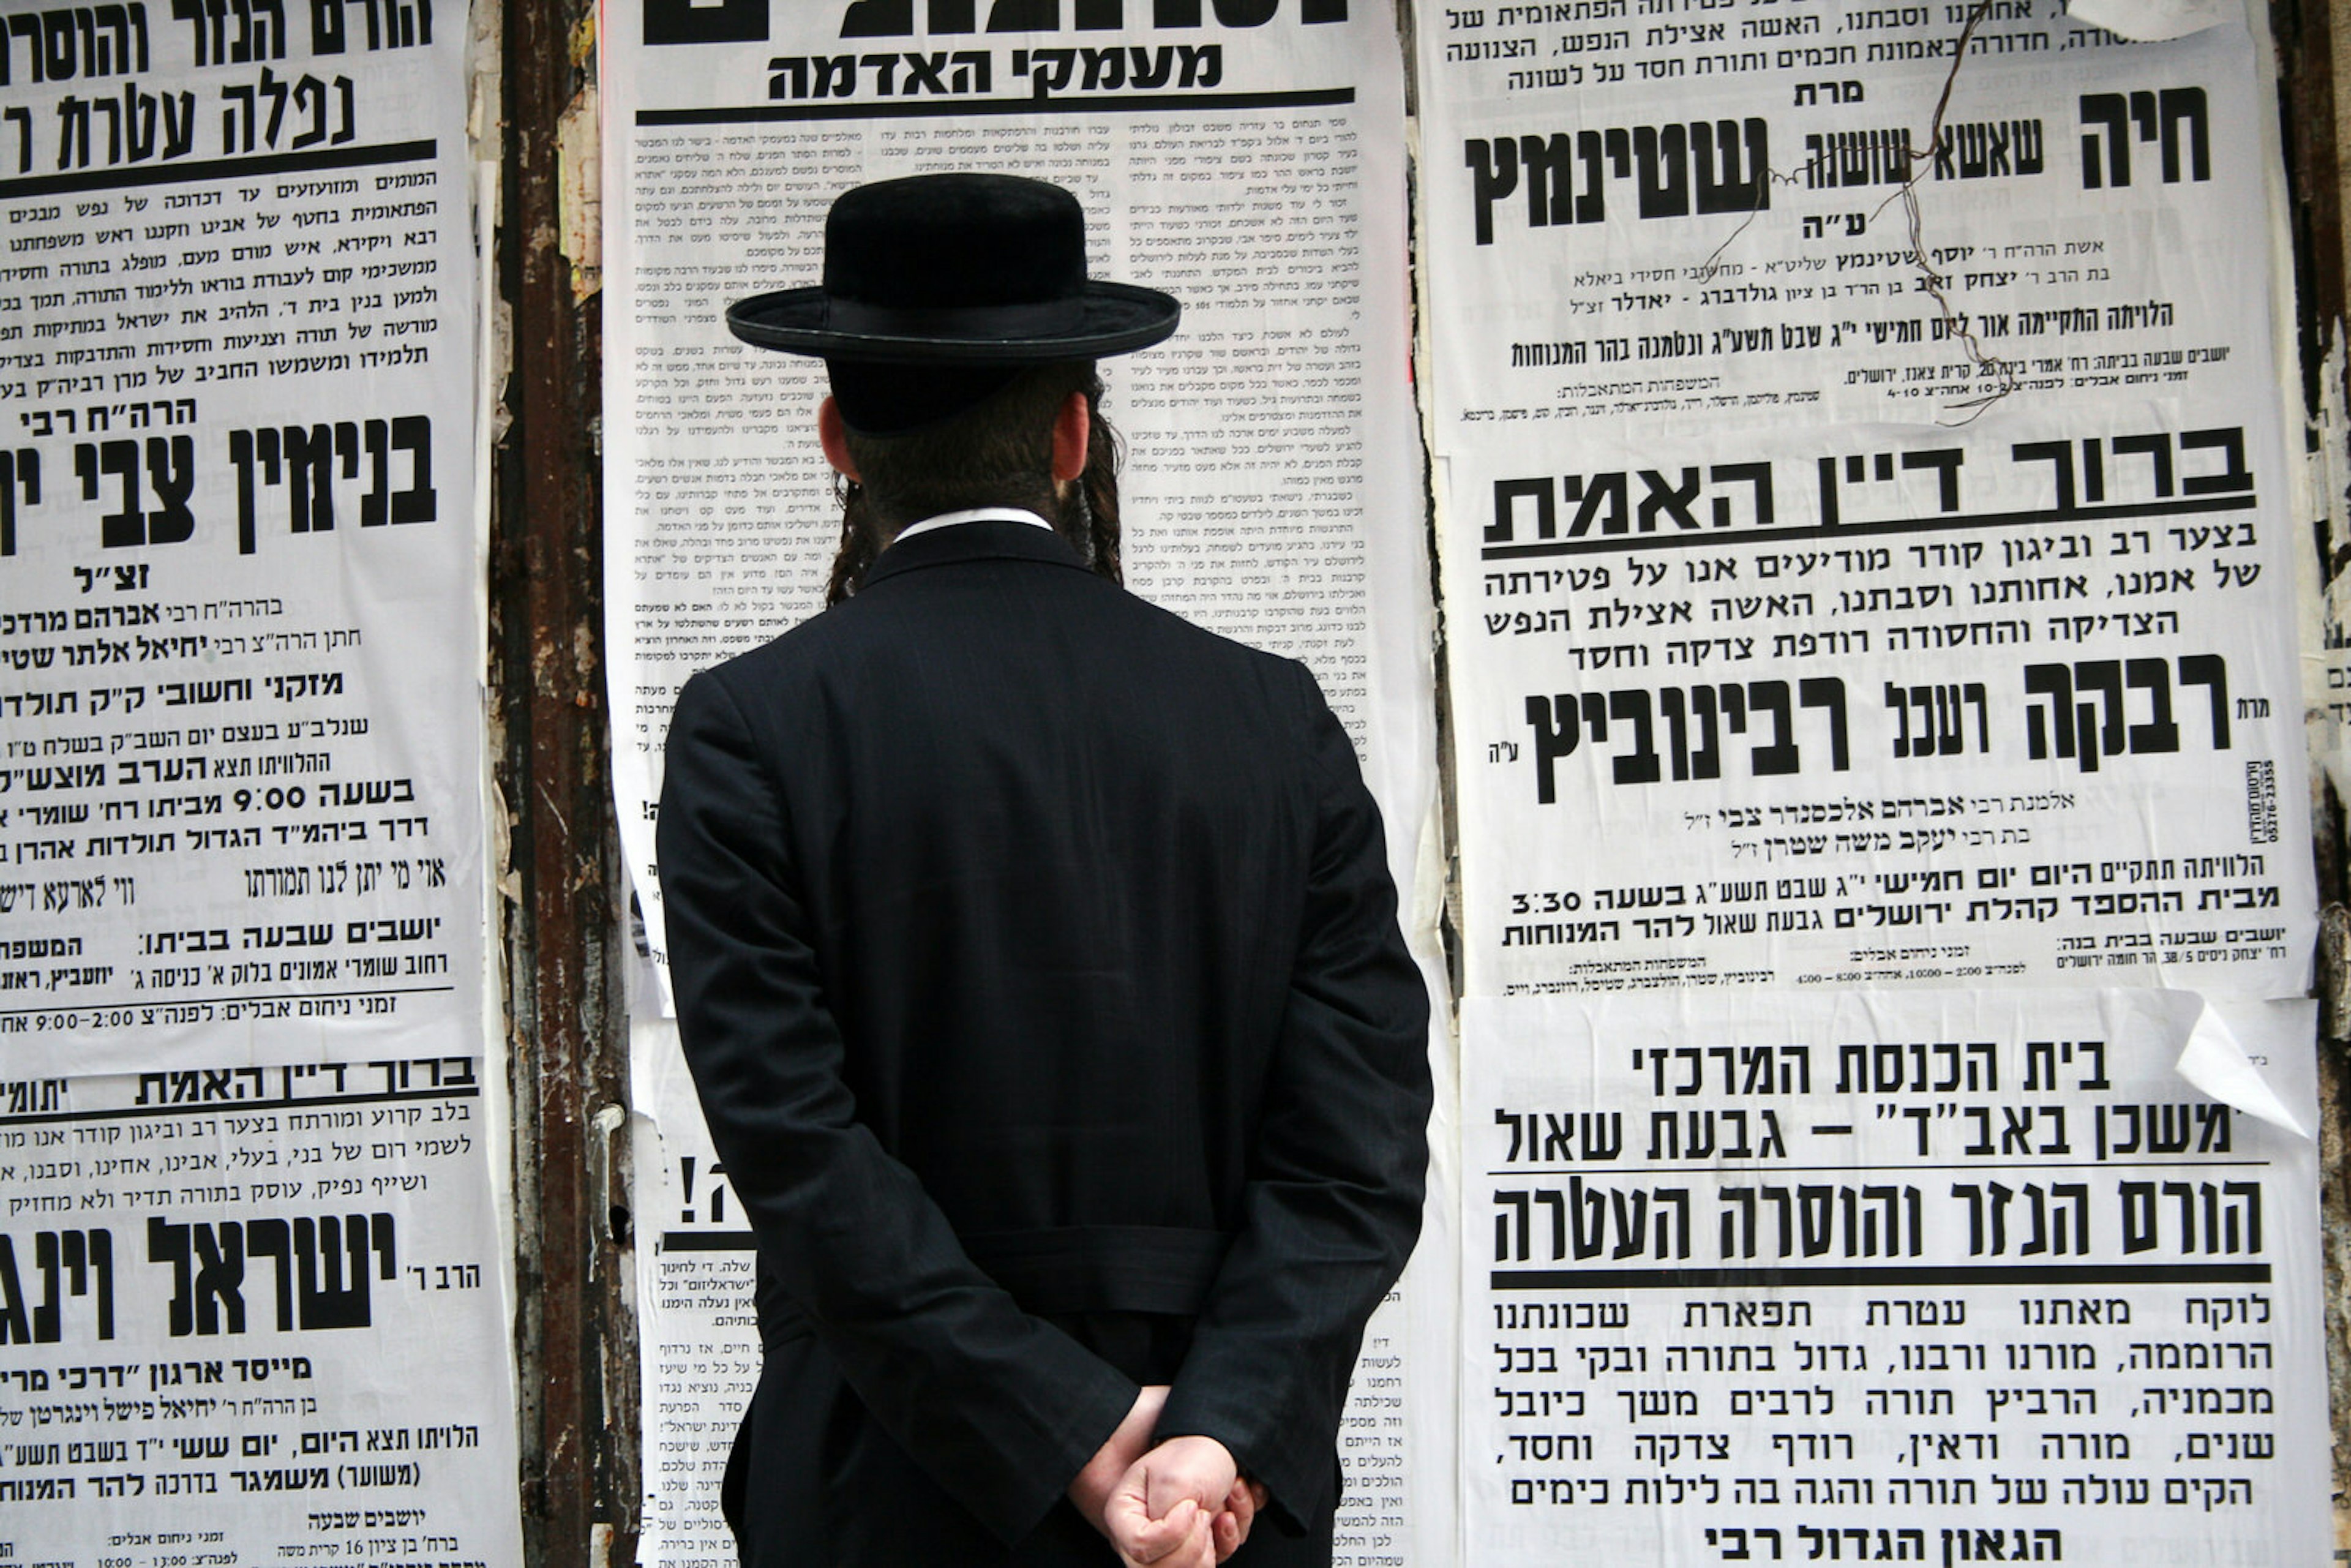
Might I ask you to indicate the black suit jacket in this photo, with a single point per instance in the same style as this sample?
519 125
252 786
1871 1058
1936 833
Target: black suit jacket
1037 961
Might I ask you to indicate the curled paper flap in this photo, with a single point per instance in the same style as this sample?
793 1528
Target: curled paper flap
2150 21
2216 1063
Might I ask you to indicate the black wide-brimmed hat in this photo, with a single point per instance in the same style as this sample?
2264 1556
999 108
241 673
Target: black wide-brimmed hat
955 269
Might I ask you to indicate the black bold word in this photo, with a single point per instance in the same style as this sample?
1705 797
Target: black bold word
2087 731
1867 1221
70 1262
131 130
1559 723
390 24
77 41
1990 150
945 72
1647 1222
1837 158
1607 499
2156 115
2207 1217
2055 1222
256 114
1941 722
260 34
304 459
321 1267
2156 448
1659 159
1982 150
170 464
22 468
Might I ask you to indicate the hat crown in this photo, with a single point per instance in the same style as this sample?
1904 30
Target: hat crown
932 242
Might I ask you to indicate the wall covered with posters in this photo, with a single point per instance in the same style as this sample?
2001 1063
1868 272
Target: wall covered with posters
1861 521
1866 516
254 1254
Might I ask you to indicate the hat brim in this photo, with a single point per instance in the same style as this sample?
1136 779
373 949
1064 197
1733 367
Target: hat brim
1115 319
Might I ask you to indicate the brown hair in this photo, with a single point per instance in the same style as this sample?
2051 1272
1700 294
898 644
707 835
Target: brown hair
995 454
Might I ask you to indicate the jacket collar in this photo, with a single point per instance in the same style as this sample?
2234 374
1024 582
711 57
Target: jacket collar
974 541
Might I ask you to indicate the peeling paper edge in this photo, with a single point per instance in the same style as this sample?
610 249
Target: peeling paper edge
2216 1063
2149 21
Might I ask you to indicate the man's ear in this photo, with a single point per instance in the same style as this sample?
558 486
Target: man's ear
1071 427
834 436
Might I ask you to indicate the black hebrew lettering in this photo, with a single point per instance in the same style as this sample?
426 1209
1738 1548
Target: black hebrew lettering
2230 442
2123 1131
257 113
305 460
320 1268
1731 173
70 43
70 1263
2207 1217
20 475
1743 495
1840 158
170 475
1703 1134
234 32
2158 117
895 18
1584 1220
390 24
1881 467
2043 1058
1938 715
2087 732
1813 1219
2056 1218
1553 1138
1050 71
1990 150
1560 723
130 125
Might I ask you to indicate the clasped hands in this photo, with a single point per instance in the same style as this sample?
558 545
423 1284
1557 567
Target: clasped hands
1176 1504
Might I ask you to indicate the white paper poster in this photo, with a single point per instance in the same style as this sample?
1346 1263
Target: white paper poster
1246 159
254 1315
1868 538
240 633
1252 168
251 1285
1911 1277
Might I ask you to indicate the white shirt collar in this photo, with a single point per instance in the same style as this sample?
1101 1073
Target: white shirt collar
976 515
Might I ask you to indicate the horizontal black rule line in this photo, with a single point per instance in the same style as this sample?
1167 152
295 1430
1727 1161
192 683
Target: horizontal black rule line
708 1242
1883 1173
125 176
1683 538
243 1107
2028 1275
222 1002
950 108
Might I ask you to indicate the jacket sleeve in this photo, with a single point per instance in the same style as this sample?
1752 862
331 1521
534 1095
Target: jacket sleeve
1334 1203
1001 1408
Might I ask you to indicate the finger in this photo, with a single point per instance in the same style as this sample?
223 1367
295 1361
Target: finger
1157 1541
1199 1548
1257 1492
1242 1503
1226 1532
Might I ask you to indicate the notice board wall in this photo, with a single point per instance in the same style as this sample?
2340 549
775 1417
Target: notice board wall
584 1214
